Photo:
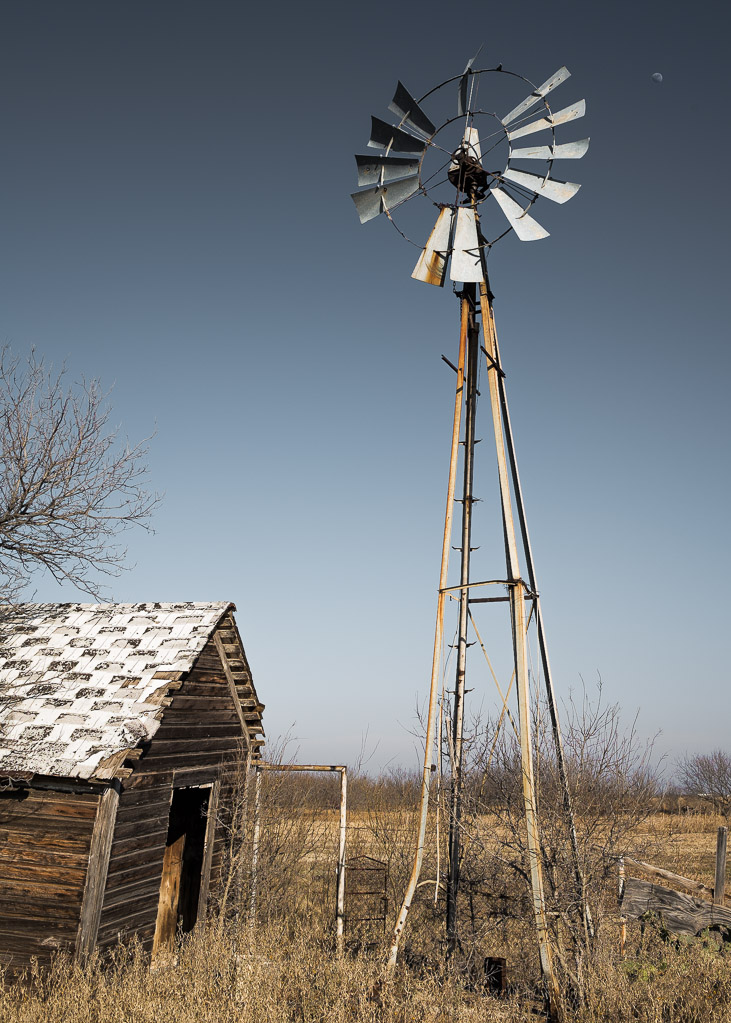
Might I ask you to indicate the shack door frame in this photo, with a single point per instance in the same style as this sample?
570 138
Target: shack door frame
174 866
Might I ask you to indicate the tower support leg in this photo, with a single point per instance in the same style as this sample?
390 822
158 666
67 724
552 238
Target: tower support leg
438 640
455 843
516 592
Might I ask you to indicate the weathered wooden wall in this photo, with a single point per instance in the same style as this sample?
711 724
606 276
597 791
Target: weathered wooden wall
44 847
200 732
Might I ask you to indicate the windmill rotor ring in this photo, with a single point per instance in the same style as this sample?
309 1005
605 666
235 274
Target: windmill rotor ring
472 173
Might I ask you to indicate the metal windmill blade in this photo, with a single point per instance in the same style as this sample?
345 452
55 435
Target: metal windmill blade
551 188
526 228
385 136
374 169
432 264
571 113
405 106
373 201
568 151
548 86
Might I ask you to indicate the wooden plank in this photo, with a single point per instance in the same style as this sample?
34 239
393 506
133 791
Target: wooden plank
182 748
146 884
55 858
181 701
82 807
143 780
60 910
681 914
150 810
148 867
127 925
30 887
138 800
185 776
96 876
167 912
208 848
719 885
173 760
176 730
150 839
667 875
47 831
35 925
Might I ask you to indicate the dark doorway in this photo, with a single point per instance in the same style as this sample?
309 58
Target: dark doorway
182 865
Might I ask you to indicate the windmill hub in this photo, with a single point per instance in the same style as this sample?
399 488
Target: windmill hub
467 174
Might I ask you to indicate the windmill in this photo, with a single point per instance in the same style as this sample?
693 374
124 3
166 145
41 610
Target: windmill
484 178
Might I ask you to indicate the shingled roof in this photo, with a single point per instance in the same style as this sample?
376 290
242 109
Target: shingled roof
80 683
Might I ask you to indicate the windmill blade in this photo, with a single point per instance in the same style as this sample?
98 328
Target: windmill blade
463 83
431 267
368 203
571 113
470 142
399 191
372 201
526 228
551 188
405 106
548 86
384 135
466 263
568 151
370 167
571 150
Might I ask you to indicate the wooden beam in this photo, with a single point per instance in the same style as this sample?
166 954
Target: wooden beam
210 841
96 871
232 687
667 875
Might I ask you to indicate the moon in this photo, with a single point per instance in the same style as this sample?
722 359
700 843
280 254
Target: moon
657 77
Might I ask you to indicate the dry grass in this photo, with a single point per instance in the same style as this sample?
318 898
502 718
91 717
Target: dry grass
286 969
276 976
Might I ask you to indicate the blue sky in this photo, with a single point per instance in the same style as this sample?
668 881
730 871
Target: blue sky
176 221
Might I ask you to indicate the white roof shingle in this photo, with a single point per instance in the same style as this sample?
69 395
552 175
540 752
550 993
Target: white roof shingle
78 681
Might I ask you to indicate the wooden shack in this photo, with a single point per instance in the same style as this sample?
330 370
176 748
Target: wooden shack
119 725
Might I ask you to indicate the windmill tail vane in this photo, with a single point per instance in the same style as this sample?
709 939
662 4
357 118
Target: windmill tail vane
477 206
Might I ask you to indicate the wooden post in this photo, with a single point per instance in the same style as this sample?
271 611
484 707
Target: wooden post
255 844
720 882
96 871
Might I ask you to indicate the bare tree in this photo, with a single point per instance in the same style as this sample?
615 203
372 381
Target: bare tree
68 485
708 775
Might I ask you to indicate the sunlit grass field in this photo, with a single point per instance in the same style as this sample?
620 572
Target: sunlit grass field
286 968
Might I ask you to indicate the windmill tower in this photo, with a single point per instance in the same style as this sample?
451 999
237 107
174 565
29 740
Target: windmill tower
451 166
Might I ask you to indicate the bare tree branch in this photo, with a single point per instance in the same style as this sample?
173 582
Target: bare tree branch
68 485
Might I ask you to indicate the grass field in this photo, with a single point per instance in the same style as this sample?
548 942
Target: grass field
286 968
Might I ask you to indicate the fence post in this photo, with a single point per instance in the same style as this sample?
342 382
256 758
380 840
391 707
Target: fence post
255 845
340 904
720 881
